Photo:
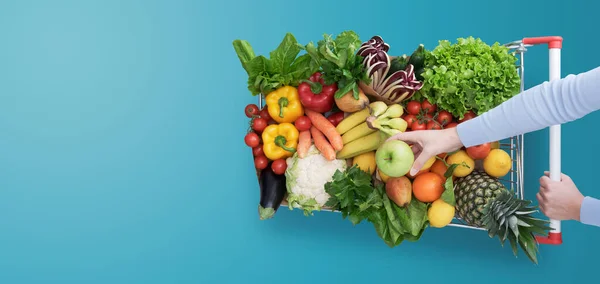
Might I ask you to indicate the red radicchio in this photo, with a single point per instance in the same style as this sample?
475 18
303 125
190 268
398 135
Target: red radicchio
397 87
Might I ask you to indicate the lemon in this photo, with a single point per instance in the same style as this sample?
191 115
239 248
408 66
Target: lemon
383 177
428 164
466 164
440 214
498 163
366 162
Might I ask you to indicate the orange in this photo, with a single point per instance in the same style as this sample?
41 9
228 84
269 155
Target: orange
428 187
439 168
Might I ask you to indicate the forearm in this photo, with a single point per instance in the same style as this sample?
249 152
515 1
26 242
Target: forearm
547 104
590 211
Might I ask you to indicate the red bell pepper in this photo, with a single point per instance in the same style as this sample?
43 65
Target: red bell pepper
315 95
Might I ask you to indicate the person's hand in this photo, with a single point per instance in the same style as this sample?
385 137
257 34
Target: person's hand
559 200
428 143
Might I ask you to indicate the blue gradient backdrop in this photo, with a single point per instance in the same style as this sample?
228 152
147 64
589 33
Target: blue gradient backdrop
112 171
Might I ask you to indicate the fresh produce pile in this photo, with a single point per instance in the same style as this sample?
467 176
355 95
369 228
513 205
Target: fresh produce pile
320 141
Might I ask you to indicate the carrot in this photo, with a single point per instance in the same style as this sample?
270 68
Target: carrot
322 144
304 143
326 127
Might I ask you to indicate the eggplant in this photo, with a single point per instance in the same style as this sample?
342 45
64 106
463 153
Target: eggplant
272 192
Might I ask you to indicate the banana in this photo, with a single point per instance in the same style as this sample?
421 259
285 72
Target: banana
362 145
393 111
395 123
357 132
378 108
352 120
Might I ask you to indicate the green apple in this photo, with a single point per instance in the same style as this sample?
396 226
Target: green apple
394 158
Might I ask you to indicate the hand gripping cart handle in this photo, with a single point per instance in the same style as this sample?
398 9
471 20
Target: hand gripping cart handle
554 44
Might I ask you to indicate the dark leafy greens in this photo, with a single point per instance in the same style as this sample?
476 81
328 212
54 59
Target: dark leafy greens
354 195
339 62
283 67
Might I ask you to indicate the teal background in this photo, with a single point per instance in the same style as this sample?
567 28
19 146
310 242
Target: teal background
112 169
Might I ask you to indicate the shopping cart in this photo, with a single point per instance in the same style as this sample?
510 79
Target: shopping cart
515 145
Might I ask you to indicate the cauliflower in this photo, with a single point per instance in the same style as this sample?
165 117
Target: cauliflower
306 179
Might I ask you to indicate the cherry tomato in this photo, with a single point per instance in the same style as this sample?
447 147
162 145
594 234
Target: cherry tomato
428 117
258 151
451 125
479 152
413 107
428 107
264 113
418 125
444 117
303 123
279 166
259 124
261 162
252 139
469 115
336 118
251 110
433 125
410 118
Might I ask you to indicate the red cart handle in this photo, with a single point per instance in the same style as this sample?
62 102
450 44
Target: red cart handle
551 41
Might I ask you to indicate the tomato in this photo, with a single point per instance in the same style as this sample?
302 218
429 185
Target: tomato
451 125
418 125
258 151
264 113
279 166
469 115
479 152
433 125
259 124
410 118
336 118
428 117
252 139
444 117
413 107
251 110
261 162
303 123
428 107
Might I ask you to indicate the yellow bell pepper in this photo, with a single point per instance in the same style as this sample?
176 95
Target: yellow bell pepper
284 104
280 140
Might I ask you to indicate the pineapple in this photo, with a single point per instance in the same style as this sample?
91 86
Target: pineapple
483 201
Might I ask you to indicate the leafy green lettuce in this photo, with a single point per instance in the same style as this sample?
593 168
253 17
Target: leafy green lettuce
354 195
469 75
283 67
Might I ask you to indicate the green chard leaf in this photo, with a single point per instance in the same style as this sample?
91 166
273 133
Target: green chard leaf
285 54
245 53
448 194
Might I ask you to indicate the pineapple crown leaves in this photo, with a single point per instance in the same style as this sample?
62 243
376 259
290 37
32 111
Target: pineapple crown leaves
509 217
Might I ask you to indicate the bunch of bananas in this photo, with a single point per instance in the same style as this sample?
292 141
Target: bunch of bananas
366 130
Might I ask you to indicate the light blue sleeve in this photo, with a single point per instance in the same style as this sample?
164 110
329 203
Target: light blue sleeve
550 103
547 104
590 211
